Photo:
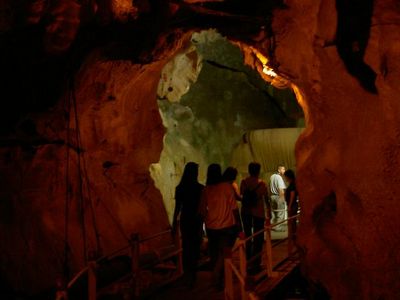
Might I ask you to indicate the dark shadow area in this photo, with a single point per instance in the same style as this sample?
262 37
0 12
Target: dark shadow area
295 286
325 210
353 30
28 76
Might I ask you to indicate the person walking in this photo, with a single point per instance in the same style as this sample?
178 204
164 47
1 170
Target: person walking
230 175
291 197
253 211
218 208
187 197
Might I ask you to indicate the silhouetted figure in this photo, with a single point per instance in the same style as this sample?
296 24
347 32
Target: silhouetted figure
291 197
253 216
187 196
218 206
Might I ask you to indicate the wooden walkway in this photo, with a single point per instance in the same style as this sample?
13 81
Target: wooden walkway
161 279
204 289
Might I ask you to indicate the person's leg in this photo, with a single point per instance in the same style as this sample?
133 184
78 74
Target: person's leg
278 211
258 240
219 260
190 250
269 211
197 240
281 211
212 235
293 223
232 235
227 237
247 221
274 207
186 245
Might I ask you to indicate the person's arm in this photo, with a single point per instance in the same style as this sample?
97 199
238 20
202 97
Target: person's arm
203 205
237 193
242 187
265 196
236 214
238 221
177 210
292 198
281 188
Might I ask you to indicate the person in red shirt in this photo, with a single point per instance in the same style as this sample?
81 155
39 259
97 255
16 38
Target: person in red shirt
218 208
253 217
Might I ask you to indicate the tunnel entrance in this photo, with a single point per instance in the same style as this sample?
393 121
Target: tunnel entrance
216 109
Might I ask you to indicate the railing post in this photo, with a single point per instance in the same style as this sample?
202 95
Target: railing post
61 293
228 274
268 249
92 276
243 265
292 226
290 236
135 255
178 243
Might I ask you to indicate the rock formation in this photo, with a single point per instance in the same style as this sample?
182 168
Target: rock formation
83 127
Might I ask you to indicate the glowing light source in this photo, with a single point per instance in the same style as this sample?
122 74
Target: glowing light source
264 60
260 57
269 71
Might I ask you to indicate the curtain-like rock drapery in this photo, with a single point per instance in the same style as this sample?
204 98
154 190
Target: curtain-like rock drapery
269 147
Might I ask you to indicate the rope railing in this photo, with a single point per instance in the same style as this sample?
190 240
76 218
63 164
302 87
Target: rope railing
129 245
241 273
133 249
231 270
152 237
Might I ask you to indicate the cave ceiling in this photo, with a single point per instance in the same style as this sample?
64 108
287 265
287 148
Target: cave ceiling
43 42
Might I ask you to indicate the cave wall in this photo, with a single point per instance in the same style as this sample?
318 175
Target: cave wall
121 135
349 153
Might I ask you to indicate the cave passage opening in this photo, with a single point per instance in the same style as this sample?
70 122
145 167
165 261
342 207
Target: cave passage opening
217 109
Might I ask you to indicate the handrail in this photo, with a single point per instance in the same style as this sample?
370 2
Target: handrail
113 253
85 269
155 236
151 237
77 275
237 273
241 274
270 226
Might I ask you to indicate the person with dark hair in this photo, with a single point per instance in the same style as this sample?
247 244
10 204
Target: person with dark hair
214 175
253 214
230 175
278 206
291 197
187 197
218 208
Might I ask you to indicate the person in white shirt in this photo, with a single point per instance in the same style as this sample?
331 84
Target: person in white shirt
278 204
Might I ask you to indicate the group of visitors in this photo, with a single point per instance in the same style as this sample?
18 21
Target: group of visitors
215 205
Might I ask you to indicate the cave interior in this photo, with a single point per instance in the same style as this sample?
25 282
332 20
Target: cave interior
105 101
